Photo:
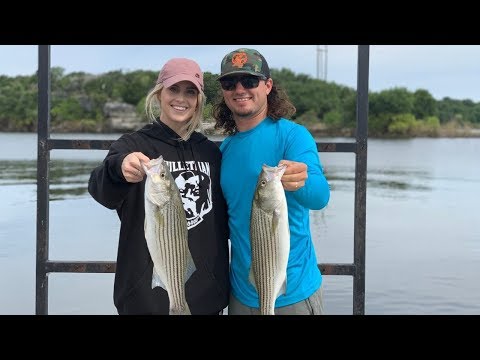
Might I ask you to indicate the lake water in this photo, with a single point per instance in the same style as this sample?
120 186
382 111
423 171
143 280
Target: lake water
422 234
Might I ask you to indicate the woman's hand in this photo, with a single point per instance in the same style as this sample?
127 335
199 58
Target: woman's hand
132 167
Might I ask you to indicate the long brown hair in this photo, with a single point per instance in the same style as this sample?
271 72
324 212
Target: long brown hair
278 104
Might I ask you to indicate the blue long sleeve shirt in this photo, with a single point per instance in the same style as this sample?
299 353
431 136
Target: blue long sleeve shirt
243 155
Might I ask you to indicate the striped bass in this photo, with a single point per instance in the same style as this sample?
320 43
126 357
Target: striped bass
269 238
167 235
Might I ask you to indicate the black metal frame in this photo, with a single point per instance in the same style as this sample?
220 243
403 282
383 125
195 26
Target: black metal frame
44 265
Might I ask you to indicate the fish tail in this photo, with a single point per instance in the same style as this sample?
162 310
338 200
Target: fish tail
180 311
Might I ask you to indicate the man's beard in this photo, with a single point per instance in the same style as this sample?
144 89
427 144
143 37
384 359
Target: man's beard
244 114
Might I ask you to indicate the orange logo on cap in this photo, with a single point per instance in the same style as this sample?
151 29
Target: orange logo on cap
239 59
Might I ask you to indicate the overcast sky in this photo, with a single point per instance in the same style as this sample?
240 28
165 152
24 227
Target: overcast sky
443 70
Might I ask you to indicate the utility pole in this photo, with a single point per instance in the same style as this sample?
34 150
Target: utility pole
322 62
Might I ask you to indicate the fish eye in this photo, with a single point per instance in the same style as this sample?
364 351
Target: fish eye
162 175
263 183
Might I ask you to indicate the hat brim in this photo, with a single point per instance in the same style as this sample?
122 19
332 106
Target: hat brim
240 71
182 77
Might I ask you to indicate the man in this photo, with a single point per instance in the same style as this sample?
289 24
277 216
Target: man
255 114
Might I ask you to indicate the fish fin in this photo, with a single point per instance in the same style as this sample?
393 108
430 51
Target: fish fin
161 217
191 268
275 221
283 289
156 281
251 278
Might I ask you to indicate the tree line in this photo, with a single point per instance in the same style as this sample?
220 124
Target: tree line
78 99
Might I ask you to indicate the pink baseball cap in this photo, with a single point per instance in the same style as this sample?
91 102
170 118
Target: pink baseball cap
180 69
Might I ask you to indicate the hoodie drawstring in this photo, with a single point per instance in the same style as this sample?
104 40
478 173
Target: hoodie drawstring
181 154
179 144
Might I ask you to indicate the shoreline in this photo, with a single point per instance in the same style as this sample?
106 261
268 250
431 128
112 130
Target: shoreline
447 135
208 131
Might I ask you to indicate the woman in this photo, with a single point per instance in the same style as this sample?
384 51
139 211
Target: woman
175 106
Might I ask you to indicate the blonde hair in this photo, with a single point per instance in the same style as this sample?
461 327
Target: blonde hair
153 110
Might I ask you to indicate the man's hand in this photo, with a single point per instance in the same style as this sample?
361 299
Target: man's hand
295 175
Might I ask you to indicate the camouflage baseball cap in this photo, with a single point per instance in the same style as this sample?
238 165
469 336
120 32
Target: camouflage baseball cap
244 61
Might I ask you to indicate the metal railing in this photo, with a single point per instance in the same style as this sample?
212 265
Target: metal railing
45 266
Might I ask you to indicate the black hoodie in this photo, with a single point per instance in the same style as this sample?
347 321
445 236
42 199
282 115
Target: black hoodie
195 164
